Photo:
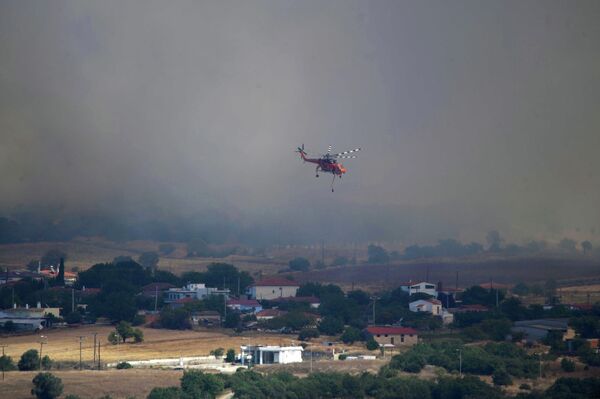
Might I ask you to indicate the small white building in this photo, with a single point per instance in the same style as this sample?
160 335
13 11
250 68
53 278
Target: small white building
422 287
272 288
192 291
432 306
258 354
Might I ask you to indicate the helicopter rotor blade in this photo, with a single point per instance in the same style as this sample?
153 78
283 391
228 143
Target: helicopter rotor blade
348 157
347 152
329 149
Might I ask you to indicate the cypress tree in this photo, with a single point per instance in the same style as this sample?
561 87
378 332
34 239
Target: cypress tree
60 279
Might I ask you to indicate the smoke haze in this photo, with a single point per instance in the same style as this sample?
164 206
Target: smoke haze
472 115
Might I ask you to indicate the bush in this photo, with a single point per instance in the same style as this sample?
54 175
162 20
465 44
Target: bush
567 365
331 325
138 335
124 365
217 352
165 393
372 344
197 384
6 363
73 318
501 377
299 264
230 357
308 333
342 356
30 360
351 334
46 386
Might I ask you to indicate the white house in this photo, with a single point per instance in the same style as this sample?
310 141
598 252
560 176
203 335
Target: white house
192 291
258 354
272 288
432 306
28 318
423 287
244 305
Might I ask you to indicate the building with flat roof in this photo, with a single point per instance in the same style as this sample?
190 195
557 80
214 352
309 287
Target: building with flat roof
193 291
259 354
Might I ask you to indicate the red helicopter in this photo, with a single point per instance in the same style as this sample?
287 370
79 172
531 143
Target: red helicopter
328 163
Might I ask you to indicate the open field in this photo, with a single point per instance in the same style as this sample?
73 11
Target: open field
94 384
63 344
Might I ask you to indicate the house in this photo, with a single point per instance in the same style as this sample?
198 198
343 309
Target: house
269 314
312 301
244 305
447 317
422 287
207 318
194 291
258 354
432 306
70 278
536 330
28 319
155 289
272 288
391 335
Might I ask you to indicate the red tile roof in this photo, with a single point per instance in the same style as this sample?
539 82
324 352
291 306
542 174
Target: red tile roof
374 330
276 282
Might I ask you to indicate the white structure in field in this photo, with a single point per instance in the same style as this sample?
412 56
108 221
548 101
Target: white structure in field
432 306
258 354
272 288
423 287
192 291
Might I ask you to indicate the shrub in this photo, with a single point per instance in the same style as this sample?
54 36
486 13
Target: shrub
299 264
138 320
343 356
46 386
567 365
124 365
372 344
501 377
230 357
308 333
138 335
217 352
197 384
29 361
351 334
6 363
331 325
73 318
165 393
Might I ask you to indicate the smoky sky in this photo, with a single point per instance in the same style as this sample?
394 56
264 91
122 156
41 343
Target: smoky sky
472 115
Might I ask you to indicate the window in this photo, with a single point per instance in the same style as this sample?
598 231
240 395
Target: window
401 338
392 341
386 335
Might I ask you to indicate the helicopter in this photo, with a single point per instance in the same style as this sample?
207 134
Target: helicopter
328 163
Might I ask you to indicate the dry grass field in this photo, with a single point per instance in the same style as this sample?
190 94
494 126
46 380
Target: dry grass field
94 384
63 344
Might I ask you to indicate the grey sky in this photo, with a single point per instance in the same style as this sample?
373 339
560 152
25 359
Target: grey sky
472 114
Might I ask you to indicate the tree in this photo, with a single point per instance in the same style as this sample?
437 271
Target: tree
30 360
60 278
46 386
217 352
197 384
567 365
165 393
6 363
377 254
125 330
149 260
113 338
232 320
230 357
299 264
138 335
586 246
351 334
308 333
330 325
372 344
501 377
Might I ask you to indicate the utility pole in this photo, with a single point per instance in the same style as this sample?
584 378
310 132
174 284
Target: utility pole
81 337
95 334
99 364
460 361
155 297
3 346
311 360
374 300
72 300
42 342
